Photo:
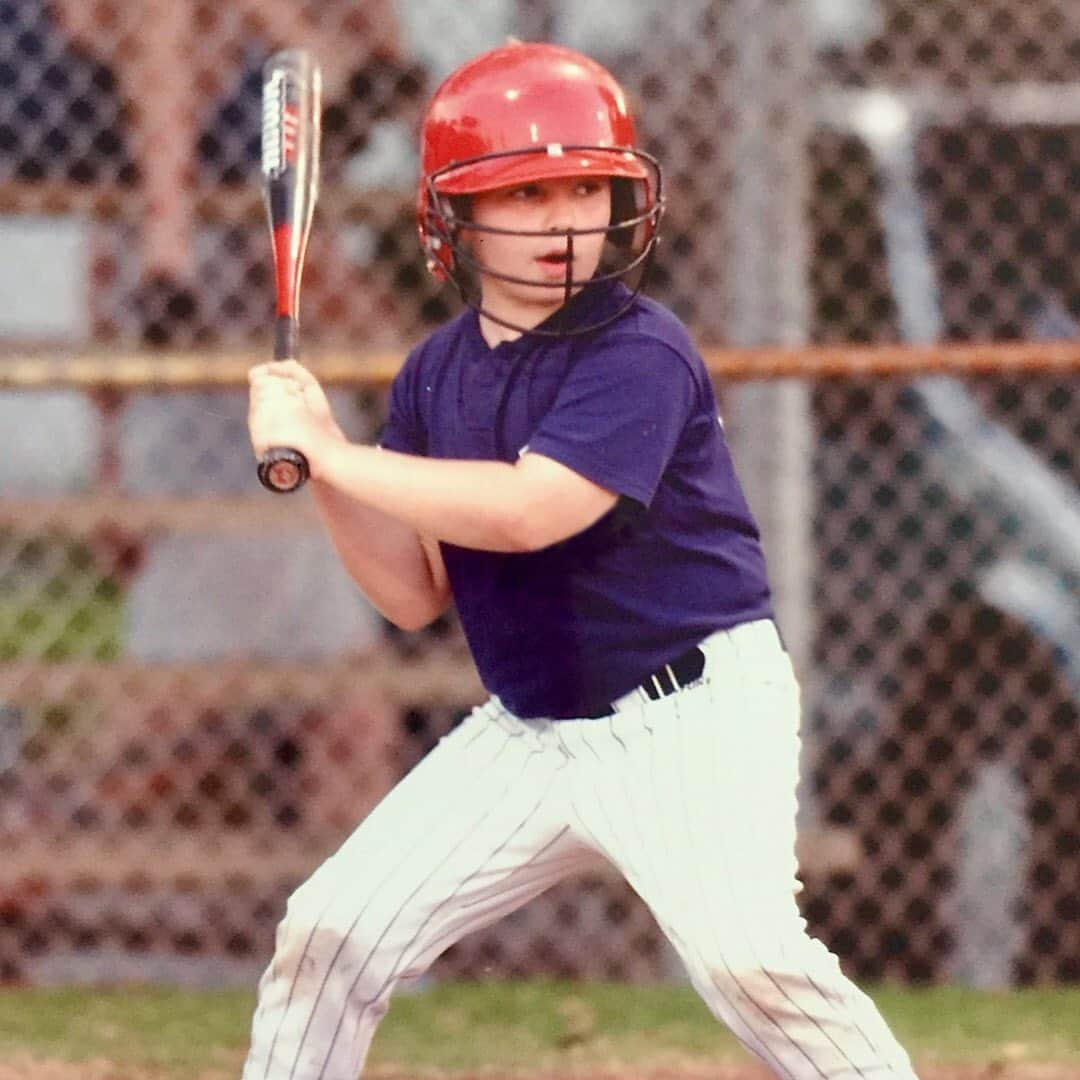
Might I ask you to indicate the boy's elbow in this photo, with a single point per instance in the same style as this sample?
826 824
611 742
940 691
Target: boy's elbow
410 623
413 619
418 612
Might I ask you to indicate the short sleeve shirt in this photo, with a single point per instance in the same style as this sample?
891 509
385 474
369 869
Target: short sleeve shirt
562 631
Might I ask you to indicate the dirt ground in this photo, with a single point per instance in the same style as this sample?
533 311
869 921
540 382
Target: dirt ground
103 1070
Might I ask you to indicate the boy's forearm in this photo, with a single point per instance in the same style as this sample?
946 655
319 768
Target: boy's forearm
467 503
385 557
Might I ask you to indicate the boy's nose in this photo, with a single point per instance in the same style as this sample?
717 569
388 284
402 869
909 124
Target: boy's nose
560 215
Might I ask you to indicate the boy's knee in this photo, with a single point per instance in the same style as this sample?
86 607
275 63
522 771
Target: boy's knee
317 946
771 989
773 971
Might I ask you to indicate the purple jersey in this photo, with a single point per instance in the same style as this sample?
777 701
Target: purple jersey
561 631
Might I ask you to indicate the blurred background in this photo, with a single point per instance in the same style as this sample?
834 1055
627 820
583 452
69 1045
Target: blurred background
876 201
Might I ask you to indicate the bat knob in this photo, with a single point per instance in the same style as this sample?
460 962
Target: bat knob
283 470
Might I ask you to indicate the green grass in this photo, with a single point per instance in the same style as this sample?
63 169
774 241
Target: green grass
184 1031
954 1024
533 1024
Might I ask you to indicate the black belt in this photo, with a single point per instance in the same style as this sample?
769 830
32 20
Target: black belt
664 681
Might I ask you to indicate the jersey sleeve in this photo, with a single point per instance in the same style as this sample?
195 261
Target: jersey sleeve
403 430
618 416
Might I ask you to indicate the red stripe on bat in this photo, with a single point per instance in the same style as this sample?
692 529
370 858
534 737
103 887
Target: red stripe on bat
290 124
285 269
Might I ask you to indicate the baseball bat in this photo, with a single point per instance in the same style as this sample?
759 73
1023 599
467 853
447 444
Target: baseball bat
291 112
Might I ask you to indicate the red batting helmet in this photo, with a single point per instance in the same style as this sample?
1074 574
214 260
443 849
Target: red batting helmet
528 112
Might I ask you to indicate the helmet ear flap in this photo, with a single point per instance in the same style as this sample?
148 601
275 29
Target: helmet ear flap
439 225
630 199
437 254
623 208
434 223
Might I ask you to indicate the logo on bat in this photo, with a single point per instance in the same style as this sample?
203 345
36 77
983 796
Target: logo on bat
280 127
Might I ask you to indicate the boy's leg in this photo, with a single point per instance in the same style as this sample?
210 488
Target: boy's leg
469 835
693 798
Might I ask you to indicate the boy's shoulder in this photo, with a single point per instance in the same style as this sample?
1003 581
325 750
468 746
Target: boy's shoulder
651 326
451 335
446 334
651 318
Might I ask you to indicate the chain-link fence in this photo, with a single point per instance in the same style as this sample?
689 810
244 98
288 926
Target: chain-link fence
195 705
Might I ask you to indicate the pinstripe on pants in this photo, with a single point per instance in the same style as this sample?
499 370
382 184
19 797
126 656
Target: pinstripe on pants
691 797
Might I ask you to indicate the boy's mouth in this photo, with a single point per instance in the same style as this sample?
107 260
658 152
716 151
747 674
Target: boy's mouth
554 258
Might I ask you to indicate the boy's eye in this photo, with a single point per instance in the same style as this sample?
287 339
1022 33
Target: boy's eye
529 192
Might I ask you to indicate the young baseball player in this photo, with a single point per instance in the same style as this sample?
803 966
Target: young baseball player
553 463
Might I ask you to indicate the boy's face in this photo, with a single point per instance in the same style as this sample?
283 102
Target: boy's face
540 206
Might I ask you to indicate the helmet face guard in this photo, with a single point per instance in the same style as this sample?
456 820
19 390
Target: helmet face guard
631 236
526 113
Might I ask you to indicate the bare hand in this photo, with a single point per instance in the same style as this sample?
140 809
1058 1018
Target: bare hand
289 408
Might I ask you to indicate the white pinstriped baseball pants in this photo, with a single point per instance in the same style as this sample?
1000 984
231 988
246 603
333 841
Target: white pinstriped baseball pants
691 797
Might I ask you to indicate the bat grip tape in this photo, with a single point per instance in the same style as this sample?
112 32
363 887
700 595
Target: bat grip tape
286 337
282 469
